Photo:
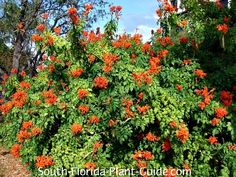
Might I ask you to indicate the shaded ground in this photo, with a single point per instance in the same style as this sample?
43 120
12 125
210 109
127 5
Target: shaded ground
10 166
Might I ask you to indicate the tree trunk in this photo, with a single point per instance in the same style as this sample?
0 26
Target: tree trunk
18 45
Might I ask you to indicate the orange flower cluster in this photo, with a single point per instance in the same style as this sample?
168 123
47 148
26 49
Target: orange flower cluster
183 40
151 138
94 120
182 134
91 58
166 146
146 47
168 7
36 131
26 125
15 150
25 85
82 93
50 41
155 67
179 87
88 8
19 98
44 161
90 165
163 53
122 42
215 121
57 30
232 147
212 140
6 108
145 155
159 13
200 73
137 38
206 95
223 28
140 96
40 27
109 60
187 62
23 135
77 72
50 97
115 9
83 109
96 146
112 123
72 12
92 37
226 98
165 41
76 128
100 82
37 38
143 109
128 103
220 112
142 78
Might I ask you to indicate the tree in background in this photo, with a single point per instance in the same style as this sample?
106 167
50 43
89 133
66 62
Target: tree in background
18 21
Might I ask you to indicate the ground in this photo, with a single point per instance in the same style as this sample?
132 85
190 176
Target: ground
11 166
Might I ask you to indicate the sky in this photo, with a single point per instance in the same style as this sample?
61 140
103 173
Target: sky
138 16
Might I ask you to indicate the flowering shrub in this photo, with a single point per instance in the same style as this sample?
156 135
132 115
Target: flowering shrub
98 101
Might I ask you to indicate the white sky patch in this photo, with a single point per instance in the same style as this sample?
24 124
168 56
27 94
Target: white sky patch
145 31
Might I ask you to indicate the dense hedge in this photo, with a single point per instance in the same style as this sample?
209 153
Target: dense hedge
101 102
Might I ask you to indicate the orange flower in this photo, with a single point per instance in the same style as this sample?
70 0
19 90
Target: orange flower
6 108
101 82
220 112
223 28
182 134
82 93
112 123
45 15
166 146
151 138
141 164
25 85
147 155
50 97
22 135
212 140
94 119
226 98
200 73
83 109
40 27
36 37
96 146
37 102
214 121
50 41
91 58
146 47
77 72
143 109
90 165
76 128
183 40
232 147
173 124
36 131
22 74
19 98
57 30
187 62
44 161
179 87
15 150
72 11
201 105
27 125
